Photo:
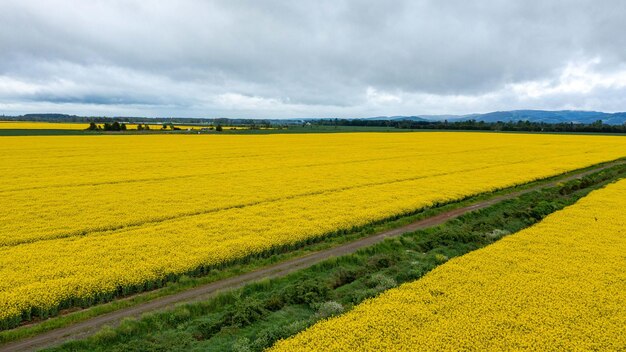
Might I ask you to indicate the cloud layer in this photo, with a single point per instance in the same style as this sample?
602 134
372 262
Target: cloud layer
310 59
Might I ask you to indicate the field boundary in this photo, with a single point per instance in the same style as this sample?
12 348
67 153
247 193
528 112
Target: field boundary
90 326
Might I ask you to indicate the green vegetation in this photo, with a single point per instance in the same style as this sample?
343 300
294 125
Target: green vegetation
115 126
253 317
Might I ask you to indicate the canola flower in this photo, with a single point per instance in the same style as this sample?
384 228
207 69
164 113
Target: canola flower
27 125
87 216
19 125
559 285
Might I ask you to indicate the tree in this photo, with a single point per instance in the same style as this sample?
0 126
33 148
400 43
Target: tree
139 127
92 126
218 128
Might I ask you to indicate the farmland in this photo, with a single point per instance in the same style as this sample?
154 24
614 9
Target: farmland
85 219
253 317
22 125
559 285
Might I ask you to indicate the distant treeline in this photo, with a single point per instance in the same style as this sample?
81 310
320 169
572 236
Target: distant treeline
473 125
121 126
115 126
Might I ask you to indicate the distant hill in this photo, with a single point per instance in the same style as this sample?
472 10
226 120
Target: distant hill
618 118
398 118
48 116
543 116
562 116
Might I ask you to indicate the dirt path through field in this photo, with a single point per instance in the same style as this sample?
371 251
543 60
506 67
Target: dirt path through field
88 327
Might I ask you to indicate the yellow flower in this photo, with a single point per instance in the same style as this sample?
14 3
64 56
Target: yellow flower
87 216
559 285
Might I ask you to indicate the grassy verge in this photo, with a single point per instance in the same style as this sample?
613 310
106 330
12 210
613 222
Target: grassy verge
254 317
184 282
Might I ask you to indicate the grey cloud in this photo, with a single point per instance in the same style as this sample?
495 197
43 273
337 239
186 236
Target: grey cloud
286 58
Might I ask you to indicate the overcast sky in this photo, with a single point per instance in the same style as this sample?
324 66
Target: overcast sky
310 58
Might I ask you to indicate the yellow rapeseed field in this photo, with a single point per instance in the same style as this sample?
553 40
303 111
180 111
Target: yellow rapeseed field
27 125
559 285
10 125
89 215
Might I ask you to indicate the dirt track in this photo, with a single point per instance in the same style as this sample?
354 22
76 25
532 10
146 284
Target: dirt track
90 326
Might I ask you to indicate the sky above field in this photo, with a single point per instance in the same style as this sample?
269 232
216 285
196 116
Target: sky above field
282 59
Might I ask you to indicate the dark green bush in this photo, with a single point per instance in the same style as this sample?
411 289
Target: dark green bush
308 291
